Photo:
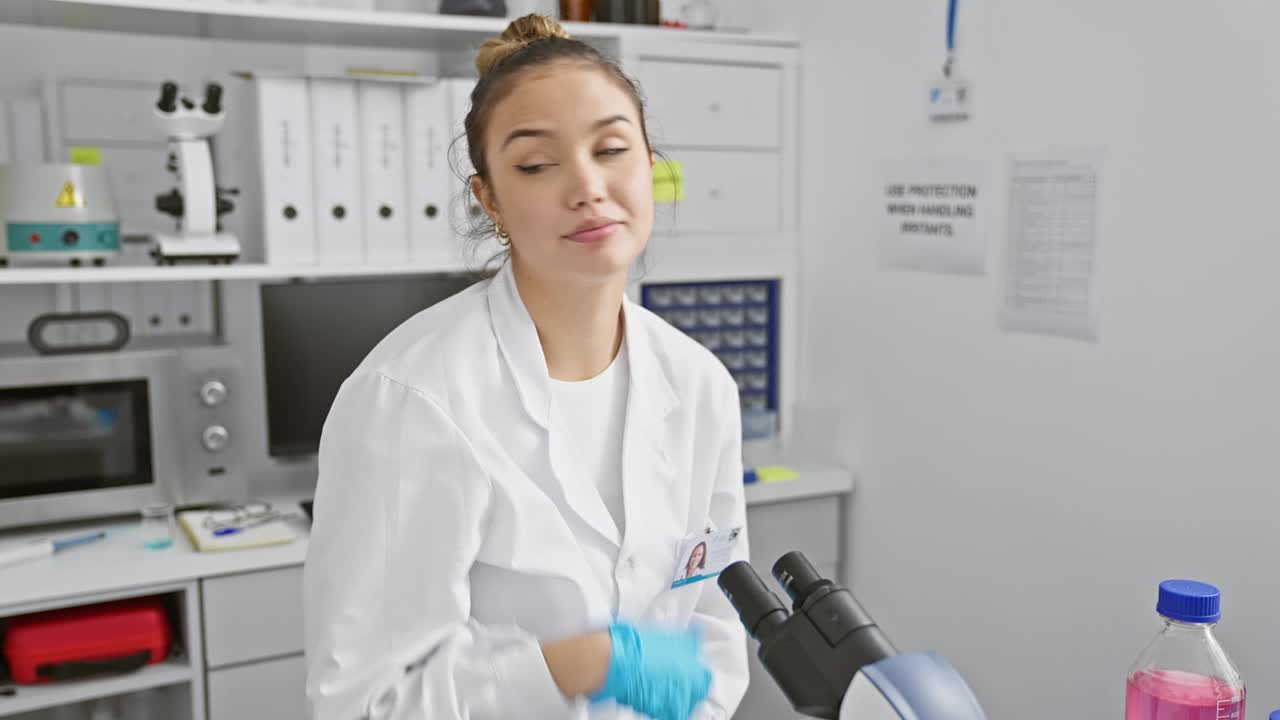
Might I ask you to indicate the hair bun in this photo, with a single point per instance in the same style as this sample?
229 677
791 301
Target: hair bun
521 32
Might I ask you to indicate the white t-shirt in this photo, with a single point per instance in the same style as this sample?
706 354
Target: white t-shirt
591 414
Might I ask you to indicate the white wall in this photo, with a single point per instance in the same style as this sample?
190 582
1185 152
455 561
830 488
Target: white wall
1022 496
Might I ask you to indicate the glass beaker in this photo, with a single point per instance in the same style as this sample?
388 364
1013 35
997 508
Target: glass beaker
157 526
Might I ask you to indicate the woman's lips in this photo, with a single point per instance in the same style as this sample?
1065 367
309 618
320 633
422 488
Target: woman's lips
595 234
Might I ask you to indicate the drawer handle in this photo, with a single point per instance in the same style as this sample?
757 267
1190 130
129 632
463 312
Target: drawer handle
715 107
714 193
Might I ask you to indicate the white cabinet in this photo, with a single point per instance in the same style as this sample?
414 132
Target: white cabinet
272 689
698 104
811 526
729 115
253 645
725 192
252 616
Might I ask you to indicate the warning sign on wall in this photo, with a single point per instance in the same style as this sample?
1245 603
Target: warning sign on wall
931 210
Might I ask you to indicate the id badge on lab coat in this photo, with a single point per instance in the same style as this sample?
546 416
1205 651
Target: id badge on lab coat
703 555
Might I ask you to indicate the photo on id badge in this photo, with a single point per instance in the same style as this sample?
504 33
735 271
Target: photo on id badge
703 555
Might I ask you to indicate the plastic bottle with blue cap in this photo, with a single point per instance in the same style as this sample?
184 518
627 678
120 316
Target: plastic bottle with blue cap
1184 673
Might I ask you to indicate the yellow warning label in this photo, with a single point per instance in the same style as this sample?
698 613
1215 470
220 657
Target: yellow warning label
69 197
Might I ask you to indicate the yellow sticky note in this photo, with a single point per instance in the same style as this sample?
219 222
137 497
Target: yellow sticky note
668 181
775 473
82 155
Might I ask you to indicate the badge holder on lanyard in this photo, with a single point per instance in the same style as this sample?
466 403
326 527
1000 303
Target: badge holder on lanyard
950 97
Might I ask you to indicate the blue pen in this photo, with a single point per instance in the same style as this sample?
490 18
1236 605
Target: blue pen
254 522
74 540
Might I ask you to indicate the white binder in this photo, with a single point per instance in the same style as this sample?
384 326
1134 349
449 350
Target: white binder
459 90
432 184
382 159
284 136
466 211
335 137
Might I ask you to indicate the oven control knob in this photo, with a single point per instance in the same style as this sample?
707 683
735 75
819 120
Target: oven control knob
215 438
213 393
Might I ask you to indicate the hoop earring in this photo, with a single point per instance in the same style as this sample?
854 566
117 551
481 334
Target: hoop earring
504 237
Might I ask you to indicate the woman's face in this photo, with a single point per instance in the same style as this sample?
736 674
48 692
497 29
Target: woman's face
570 175
695 558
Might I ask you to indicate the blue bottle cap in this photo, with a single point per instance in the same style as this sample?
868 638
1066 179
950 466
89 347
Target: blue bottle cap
1275 715
1190 601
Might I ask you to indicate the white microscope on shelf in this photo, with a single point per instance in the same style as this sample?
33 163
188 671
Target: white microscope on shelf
200 203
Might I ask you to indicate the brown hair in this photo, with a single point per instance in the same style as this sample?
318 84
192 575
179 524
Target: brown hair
528 42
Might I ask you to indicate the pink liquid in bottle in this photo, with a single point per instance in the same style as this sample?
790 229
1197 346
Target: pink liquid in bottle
1174 695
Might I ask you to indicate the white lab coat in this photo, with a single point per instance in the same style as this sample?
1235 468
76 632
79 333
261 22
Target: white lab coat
446 543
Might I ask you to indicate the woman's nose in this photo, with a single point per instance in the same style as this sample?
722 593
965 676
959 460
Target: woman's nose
587 184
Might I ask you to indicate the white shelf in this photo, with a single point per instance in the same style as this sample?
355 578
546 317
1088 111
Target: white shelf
282 23
683 257
235 271
39 697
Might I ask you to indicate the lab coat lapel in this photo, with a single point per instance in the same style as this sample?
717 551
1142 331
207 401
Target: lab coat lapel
518 340
647 470
580 493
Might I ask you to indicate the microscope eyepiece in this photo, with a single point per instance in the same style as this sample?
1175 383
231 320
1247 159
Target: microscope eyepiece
168 97
796 575
757 606
816 650
212 99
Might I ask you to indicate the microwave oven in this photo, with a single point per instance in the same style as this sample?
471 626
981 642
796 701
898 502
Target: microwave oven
104 434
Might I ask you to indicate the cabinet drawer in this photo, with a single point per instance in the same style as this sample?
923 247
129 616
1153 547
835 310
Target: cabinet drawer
273 689
725 192
252 616
706 105
810 526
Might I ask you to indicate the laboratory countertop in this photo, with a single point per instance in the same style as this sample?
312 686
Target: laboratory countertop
119 563
814 480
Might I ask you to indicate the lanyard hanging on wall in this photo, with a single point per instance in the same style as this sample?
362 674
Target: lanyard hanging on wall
950 98
951 38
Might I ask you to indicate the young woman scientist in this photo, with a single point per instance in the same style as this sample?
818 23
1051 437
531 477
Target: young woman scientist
505 479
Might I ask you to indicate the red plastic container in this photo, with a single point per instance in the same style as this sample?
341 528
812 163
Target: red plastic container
78 642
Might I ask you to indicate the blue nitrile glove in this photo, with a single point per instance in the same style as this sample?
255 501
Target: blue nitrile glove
659 673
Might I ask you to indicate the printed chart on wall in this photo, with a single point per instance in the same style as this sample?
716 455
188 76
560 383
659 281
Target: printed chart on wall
930 210
1050 284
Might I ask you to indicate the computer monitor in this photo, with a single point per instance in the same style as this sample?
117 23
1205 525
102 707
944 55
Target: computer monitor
315 333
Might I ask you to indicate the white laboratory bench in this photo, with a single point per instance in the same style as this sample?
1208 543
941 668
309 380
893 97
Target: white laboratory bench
238 613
